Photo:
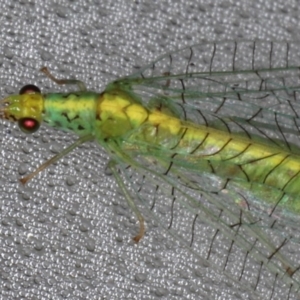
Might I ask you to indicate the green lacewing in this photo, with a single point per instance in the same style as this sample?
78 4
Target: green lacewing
209 132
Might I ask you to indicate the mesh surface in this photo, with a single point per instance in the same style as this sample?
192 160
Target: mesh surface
67 233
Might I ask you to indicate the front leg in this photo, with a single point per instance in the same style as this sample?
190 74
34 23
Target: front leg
80 84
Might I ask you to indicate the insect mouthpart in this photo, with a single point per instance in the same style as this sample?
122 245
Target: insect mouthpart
4 104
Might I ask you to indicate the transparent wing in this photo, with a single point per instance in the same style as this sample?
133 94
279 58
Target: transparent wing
247 87
242 235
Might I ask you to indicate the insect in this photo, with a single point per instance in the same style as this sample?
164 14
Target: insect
210 132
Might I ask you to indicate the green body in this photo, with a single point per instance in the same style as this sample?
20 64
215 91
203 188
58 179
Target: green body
271 172
230 168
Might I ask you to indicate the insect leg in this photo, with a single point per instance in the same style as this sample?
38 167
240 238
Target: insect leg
57 157
80 84
129 199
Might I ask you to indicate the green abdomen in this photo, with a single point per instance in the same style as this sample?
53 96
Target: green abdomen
270 172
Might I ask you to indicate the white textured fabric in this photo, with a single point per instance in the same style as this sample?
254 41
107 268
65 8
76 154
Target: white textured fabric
67 233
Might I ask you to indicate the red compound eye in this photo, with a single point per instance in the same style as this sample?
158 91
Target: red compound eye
29 89
28 125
